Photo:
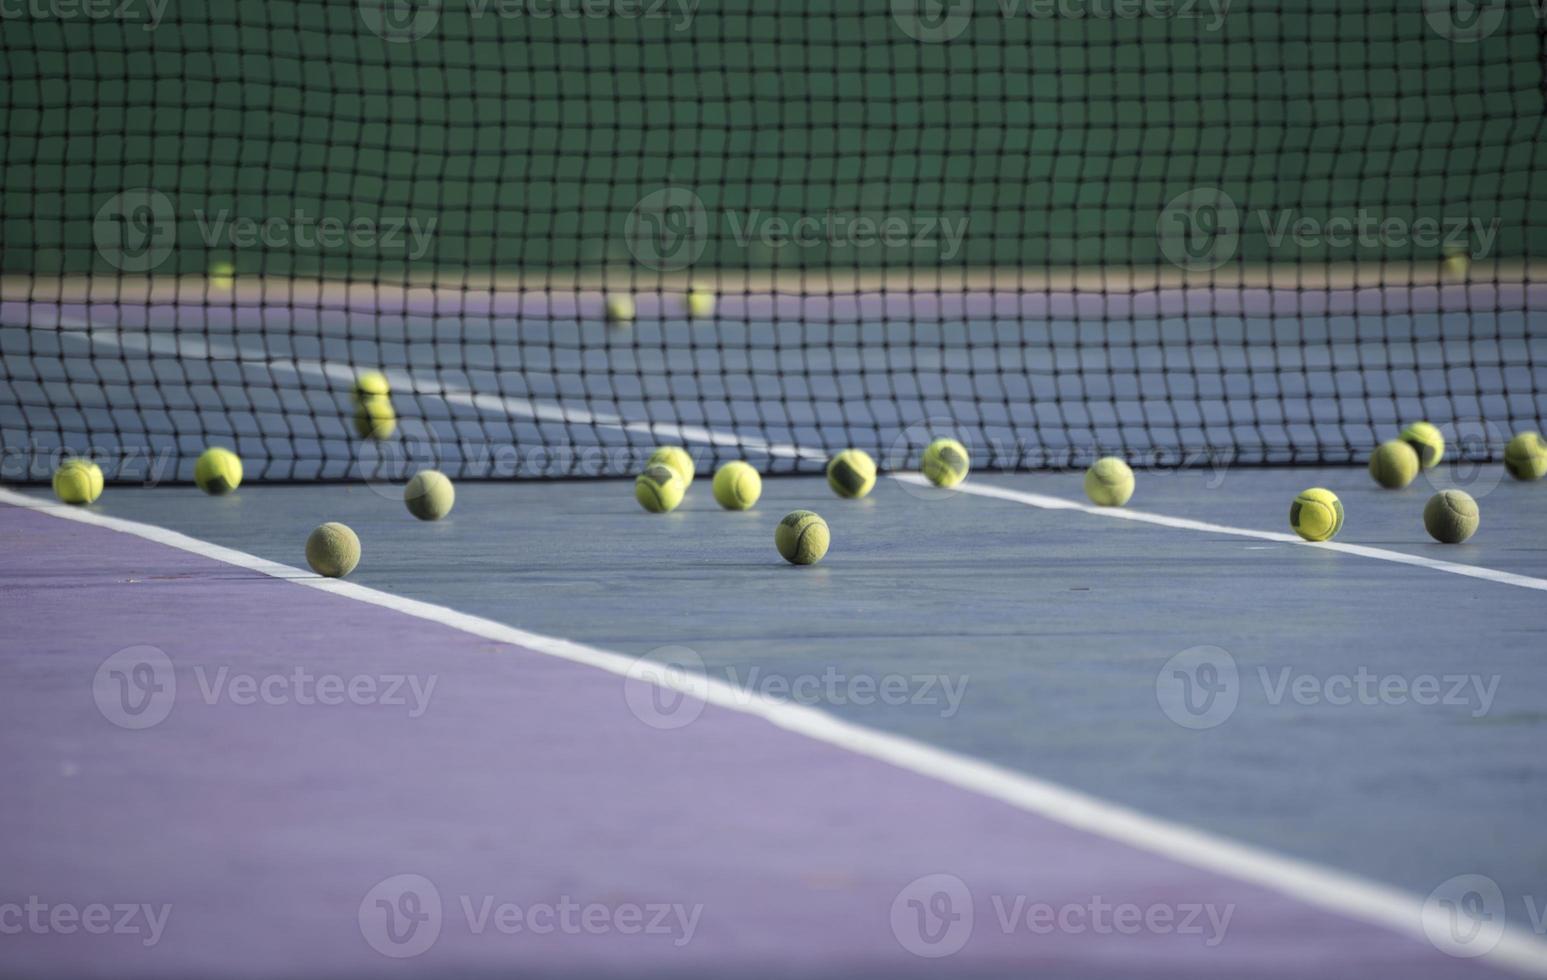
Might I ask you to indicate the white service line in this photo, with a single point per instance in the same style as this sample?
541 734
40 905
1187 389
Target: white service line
693 433
404 380
1325 888
1187 524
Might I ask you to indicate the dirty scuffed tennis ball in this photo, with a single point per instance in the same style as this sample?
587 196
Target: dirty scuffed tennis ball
1450 516
737 485
678 459
946 462
1526 456
1394 464
658 489
1316 514
78 481
1427 442
333 550
1109 483
851 473
802 538
218 471
429 495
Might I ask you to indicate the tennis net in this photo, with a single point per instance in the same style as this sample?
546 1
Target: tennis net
1182 231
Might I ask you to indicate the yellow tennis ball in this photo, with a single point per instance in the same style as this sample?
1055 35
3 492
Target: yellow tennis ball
1451 516
802 538
658 489
737 485
429 495
222 275
375 419
700 303
946 462
1427 442
1526 456
851 473
1316 514
78 481
1109 482
1394 464
620 309
332 550
371 384
218 471
678 459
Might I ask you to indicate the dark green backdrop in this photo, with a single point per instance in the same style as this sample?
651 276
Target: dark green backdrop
528 140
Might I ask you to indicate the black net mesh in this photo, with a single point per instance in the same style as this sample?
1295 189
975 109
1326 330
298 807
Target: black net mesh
1173 230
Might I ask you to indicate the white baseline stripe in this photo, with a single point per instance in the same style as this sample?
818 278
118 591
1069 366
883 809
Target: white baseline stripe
1144 517
1325 888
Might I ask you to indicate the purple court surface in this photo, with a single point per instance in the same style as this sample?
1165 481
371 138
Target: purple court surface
212 771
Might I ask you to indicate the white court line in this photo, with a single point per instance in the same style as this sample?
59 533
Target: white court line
536 410
1328 889
1144 517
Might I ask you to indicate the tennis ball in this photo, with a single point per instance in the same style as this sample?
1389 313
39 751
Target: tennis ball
1427 442
374 416
946 462
1451 516
737 486
620 309
218 471
700 303
1316 515
429 495
1526 456
371 384
375 419
851 473
658 489
332 550
802 538
1394 464
78 481
1109 482
677 459
222 275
